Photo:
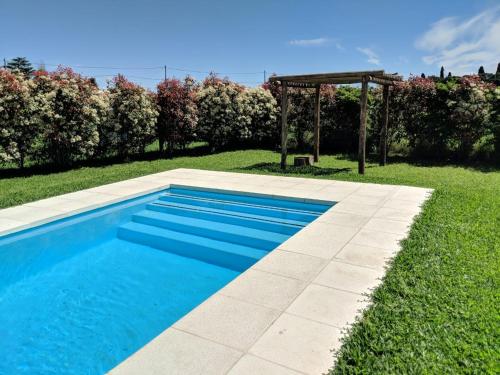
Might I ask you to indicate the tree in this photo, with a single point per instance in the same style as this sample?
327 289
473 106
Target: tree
178 115
422 75
22 65
132 117
498 69
262 111
73 109
223 118
481 70
18 117
441 73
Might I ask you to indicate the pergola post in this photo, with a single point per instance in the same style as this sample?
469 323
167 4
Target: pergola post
385 122
284 122
316 123
363 103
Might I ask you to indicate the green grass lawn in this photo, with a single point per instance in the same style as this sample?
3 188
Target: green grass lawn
438 308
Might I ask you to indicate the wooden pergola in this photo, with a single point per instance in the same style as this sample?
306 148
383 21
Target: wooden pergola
315 81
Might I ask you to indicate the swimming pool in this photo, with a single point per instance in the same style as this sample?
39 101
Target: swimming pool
81 294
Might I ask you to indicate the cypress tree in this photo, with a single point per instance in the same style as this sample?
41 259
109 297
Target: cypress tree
481 70
498 68
20 64
441 73
422 75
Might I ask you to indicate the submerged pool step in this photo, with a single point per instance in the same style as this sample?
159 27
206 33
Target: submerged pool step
289 204
216 230
225 254
242 208
267 219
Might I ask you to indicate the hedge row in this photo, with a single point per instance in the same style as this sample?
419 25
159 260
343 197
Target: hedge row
441 119
61 117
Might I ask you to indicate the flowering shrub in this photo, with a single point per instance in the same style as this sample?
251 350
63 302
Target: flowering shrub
19 125
223 113
71 109
261 109
177 112
470 112
132 117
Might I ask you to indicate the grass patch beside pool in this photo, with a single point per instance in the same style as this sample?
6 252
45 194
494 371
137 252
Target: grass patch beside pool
437 310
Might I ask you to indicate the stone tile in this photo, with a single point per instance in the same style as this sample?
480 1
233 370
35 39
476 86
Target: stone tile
299 343
319 239
7 225
365 256
389 241
349 277
403 205
389 226
396 214
327 305
357 198
251 365
264 288
290 264
176 352
410 193
29 214
61 204
228 321
344 219
356 208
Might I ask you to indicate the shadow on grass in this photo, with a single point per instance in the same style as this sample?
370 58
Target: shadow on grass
45 169
293 170
478 165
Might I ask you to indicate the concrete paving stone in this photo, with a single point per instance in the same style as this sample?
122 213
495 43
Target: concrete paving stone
228 321
384 240
252 365
344 219
327 305
366 256
349 277
389 226
299 343
264 288
290 264
176 352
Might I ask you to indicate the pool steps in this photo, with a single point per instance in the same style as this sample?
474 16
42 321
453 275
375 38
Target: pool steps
232 231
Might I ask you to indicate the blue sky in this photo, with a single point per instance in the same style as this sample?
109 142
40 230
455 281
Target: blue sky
284 36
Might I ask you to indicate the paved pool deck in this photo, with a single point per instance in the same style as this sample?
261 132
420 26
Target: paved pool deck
287 312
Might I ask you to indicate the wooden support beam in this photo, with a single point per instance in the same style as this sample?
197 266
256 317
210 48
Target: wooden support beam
363 103
284 123
316 124
385 122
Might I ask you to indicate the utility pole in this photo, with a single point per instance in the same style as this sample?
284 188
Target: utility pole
165 70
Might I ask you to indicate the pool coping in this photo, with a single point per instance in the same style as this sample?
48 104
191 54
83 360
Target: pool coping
287 312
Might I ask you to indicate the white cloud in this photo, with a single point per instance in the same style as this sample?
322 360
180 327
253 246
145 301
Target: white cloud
315 42
372 56
462 45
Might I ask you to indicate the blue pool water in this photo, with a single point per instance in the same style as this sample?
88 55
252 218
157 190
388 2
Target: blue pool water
79 295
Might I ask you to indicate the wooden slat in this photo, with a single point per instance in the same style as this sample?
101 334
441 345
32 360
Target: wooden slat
382 81
363 103
385 122
322 76
316 124
284 123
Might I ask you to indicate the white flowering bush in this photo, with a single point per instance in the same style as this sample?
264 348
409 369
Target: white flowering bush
471 111
131 124
262 111
19 122
222 113
71 109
